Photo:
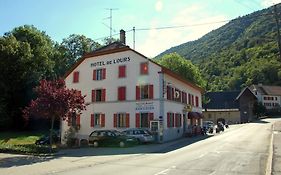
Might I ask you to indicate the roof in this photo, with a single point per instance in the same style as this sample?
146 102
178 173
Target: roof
222 100
120 47
266 90
246 89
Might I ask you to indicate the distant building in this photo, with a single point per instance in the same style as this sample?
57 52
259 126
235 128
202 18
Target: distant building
125 89
222 106
269 96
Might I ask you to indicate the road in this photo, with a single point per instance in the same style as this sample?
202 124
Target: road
243 150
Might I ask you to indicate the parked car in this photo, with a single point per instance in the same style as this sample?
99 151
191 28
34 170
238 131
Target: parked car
110 137
208 126
142 135
220 127
45 139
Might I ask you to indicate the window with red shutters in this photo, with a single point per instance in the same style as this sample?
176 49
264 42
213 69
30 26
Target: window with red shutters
98 120
144 68
144 92
197 101
122 71
170 120
99 74
75 77
122 93
98 95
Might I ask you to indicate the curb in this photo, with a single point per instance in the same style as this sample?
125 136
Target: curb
268 170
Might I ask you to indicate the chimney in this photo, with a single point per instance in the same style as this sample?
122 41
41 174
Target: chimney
123 36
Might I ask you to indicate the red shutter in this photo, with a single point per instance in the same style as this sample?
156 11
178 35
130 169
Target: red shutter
173 120
92 120
102 120
93 95
192 99
173 94
180 120
127 120
144 68
150 91
122 71
94 74
168 120
189 99
168 92
78 120
103 73
137 92
115 120
75 77
137 120
103 92
121 93
151 116
196 101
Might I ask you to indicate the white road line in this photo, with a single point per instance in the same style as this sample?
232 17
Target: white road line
165 171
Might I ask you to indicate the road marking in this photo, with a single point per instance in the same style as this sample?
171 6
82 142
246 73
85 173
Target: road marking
165 171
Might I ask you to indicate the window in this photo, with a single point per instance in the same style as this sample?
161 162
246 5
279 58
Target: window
121 120
99 74
178 120
75 77
177 95
74 120
98 95
144 68
122 93
197 101
122 71
144 92
170 120
97 120
184 98
143 119
276 98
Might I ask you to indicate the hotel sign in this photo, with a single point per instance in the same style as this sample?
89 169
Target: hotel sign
144 106
113 61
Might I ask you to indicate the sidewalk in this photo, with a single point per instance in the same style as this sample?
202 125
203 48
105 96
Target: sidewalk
276 160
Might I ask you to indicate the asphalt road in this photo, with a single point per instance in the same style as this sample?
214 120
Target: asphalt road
242 150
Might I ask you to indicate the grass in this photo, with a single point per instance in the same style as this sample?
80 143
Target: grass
22 142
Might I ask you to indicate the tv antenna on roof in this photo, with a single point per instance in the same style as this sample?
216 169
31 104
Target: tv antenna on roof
110 19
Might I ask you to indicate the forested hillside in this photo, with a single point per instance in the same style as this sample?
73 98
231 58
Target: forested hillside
242 52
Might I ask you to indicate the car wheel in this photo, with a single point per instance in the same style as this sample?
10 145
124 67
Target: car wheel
122 144
96 144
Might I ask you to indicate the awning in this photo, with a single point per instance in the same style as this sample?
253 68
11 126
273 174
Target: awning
194 115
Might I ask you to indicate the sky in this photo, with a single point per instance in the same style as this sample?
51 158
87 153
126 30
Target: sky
61 18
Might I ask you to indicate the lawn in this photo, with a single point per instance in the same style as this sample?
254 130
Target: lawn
21 142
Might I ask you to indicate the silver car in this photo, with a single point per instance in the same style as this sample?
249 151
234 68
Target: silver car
142 135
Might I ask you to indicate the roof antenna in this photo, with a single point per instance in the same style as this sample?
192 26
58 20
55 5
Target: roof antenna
110 22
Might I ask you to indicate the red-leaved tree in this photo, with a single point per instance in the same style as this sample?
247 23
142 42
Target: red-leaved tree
55 101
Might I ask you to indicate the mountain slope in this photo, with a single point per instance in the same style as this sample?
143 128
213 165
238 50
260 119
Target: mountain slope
242 52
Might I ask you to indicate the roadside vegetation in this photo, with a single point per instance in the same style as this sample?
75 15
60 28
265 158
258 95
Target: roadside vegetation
22 142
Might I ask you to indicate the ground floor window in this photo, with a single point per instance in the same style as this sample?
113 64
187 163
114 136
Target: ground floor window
98 120
121 120
143 120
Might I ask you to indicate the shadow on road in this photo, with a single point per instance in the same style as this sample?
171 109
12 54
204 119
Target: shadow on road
140 149
21 160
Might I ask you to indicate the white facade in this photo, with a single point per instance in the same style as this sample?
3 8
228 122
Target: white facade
158 106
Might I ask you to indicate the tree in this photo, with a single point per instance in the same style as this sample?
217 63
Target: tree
25 57
55 101
182 67
76 46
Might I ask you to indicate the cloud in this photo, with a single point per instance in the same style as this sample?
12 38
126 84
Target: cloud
267 3
158 41
159 6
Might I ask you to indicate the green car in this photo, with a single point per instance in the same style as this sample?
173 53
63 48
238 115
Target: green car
110 138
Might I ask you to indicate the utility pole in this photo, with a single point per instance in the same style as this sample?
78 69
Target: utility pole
110 19
278 30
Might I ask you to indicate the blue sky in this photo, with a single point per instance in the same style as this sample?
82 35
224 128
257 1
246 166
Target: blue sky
60 18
